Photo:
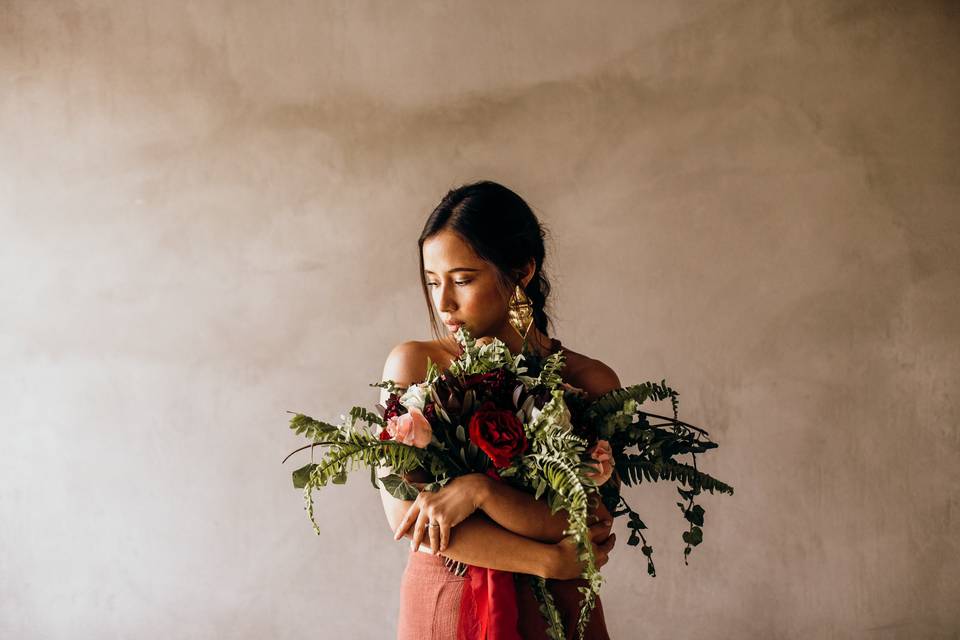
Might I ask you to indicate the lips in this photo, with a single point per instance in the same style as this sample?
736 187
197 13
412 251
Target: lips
453 326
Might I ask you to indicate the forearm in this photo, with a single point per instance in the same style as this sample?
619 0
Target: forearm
520 513
480 542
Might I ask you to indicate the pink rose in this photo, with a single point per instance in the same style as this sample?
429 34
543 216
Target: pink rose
411 428
603 455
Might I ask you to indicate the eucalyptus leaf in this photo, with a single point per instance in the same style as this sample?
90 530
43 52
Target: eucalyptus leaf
695 515
693 537
398 487
302 475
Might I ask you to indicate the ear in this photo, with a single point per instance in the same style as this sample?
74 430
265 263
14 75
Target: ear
526 275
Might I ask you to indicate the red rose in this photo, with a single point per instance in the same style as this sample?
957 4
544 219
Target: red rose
498 433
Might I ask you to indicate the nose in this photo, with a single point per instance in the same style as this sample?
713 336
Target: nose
445 298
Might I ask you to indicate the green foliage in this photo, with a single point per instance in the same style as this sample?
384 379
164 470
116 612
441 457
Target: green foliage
550 370
616 416
559 476
398 487
389 385
635 469
302 475
347 447
614 400
312 429
548 608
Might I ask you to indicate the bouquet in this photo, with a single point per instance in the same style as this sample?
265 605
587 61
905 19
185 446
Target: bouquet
513 418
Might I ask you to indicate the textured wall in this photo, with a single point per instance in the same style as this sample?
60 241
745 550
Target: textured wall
208 216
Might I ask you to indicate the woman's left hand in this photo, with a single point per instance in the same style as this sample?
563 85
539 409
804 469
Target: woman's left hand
447 507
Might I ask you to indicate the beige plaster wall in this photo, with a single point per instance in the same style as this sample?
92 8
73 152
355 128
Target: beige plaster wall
208 215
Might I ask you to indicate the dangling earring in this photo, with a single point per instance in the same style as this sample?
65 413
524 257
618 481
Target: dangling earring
521 313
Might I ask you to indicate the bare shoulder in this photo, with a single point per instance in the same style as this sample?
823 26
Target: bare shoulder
590 374
407 362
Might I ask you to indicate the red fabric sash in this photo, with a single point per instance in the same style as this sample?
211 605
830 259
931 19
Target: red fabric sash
488 608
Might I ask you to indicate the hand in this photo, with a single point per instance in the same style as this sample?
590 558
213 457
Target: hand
568 565
447 507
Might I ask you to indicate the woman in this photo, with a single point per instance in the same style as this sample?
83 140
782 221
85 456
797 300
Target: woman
480 242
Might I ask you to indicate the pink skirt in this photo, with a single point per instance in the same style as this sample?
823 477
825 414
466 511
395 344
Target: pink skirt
430 604
429 599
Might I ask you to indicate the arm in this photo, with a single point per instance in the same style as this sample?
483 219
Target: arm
520 513
483 543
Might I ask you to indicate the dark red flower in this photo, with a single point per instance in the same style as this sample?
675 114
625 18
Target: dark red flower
393 408
498 433
495 384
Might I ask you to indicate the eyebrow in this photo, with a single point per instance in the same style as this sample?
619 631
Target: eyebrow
452 270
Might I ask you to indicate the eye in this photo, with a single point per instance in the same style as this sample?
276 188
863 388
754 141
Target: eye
461 282
431 284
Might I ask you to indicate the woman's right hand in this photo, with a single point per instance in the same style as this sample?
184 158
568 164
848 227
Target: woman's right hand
568 566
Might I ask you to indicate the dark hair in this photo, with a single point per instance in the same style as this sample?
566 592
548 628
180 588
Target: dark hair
502 230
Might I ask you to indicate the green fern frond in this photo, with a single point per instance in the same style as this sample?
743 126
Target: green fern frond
548 608
390 386
361 414
566 490
614 401
311 428
634 470
356 449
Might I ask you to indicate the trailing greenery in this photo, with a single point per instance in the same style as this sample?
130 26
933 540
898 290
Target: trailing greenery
616 416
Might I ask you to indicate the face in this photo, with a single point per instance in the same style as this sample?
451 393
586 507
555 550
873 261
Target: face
463 287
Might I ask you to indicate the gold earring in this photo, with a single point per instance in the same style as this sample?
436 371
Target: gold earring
521 312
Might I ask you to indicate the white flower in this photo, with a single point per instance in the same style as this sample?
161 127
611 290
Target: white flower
414 397
516 395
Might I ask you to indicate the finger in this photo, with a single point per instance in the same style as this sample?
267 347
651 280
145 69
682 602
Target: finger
407 520
434 540
602 548
609 543
604 526
418 530
444 536
599 532
602 559
603 554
